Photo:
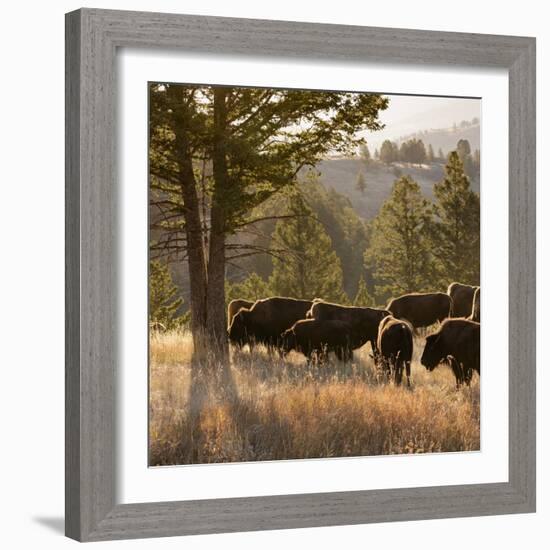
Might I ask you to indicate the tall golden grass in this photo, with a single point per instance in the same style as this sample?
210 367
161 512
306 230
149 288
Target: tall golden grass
268 408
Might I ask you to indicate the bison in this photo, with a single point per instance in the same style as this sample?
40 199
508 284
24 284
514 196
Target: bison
266 320
234 306
476 306
421 310
363 321
395 347
457 344
462 297
313 337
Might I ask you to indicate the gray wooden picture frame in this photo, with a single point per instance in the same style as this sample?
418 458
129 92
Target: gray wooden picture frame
92 39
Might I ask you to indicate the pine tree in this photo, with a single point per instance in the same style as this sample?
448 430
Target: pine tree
361 183
252 288
216 153
365 153
307 266
463 149
413 151
476 162
399 251
163 298
455 232
388 152
363 298
345 228
465 153
440 154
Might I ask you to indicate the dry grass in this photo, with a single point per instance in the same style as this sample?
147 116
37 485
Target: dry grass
267 408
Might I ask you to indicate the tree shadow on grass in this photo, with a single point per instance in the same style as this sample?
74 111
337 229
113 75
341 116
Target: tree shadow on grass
213 383
294 369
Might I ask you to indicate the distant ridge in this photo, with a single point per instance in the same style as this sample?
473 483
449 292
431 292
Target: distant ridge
341 175
447 138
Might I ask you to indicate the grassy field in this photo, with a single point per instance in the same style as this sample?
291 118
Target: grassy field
267 408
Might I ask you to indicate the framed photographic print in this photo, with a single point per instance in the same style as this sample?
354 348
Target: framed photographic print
277 234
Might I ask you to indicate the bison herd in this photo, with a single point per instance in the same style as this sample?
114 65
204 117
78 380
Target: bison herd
317 328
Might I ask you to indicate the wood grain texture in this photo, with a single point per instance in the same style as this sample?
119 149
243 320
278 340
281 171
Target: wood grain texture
90 277
72 276
253 37
522 276
307 510
92 37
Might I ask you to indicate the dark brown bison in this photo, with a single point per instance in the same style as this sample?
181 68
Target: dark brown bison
421 310
363 321
315 338
476 307
457 344
266 320
462 297
234 306
395 347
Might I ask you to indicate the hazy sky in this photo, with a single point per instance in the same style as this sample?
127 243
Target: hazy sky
409 114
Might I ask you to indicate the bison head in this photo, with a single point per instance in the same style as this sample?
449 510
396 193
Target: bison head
238 330
288 341
433 353
311 311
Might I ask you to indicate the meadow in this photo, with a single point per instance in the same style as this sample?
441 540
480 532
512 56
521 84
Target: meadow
268 408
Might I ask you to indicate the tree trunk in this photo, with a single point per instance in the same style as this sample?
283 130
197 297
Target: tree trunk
215 294
197 267
191 213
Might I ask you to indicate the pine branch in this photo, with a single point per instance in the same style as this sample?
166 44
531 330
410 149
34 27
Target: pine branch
266 218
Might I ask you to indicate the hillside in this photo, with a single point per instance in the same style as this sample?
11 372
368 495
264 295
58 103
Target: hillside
340 207
341 175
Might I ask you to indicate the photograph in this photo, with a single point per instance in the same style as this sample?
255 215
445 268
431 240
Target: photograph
243 266
314 274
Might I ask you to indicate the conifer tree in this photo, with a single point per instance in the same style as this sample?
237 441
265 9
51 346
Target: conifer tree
476 163
440 154
365 153
164 301
361 183
363 298
413 151
463 149
388 152
217 153
464 152
455 232
309 268
399 251
346 229
252 288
